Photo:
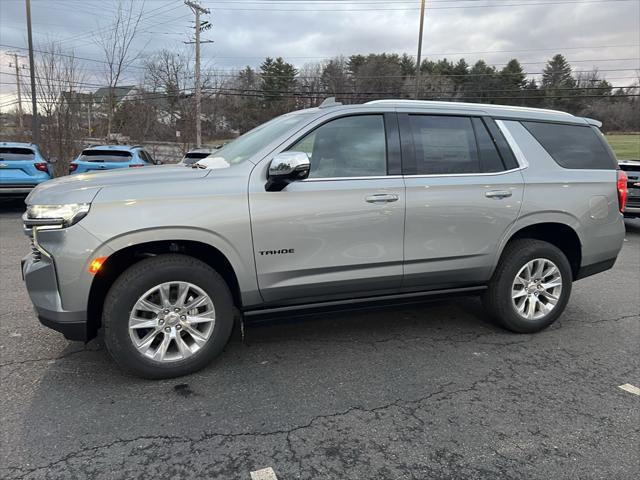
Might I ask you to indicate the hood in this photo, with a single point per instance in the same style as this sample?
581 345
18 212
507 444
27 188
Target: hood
83 187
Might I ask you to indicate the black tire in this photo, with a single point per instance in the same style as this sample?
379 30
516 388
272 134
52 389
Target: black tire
497 299
141 277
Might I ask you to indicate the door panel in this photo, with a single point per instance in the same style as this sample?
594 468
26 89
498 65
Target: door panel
338 234
462 196
318 240
454 228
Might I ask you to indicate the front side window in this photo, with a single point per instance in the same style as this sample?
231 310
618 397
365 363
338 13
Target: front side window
346 147
444 145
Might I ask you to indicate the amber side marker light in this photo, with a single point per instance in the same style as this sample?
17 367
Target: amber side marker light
96 265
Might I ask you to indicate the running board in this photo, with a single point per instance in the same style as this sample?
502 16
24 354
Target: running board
360 303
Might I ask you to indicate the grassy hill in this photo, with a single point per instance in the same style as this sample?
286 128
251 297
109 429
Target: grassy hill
627 147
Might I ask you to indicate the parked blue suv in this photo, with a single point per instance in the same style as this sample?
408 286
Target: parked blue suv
108 157
22 167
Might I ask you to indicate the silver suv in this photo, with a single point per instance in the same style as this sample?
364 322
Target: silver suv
390 201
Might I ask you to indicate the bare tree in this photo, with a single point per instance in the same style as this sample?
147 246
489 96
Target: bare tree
58 80
115 42
169 75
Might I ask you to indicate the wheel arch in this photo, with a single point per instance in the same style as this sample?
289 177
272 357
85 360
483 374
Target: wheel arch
561 232
129 254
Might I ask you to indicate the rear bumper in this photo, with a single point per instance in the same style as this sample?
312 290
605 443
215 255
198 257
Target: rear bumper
41 282
594 268
632 212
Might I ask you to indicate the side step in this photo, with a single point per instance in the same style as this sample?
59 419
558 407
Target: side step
358 303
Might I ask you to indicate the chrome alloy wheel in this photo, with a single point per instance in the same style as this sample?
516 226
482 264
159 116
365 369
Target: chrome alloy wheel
171 321
536 289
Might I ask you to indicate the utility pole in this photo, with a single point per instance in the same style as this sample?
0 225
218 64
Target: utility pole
197 10
35 129
419 59
17 65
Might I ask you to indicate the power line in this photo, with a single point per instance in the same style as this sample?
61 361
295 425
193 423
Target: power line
455 7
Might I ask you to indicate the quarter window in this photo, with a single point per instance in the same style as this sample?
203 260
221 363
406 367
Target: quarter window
346 147
573 146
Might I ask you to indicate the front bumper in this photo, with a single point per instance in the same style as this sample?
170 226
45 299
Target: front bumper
40 278
16 189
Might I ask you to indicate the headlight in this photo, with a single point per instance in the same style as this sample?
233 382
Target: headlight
55 216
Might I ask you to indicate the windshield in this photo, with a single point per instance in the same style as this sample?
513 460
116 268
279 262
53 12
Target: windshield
15 153
250 143
105 156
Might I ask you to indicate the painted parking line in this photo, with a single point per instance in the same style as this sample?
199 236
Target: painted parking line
630 388
264 474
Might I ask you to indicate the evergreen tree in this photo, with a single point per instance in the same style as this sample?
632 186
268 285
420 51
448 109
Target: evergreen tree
557 82
513 80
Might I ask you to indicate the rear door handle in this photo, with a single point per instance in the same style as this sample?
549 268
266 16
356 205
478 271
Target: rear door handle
497 194
382 198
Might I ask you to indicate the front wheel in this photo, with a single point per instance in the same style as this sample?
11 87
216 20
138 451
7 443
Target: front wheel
530 287
167 316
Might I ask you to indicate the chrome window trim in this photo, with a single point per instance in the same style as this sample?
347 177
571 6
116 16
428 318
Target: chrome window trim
373 177
520 158
481 174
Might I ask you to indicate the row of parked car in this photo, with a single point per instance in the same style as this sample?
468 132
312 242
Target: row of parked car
23 167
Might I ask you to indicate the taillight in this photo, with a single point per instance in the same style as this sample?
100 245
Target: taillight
41 166
72 167
622 190
136 165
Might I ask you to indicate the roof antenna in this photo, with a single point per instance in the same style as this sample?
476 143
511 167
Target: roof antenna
329 102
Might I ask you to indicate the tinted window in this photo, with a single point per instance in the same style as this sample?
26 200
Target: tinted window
572 146
15 153
196 156
347 147
105 156
490 160
444 145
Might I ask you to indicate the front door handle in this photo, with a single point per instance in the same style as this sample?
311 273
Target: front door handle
498 194
382 198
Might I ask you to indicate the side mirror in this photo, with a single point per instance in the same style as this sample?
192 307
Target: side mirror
157 162
287 167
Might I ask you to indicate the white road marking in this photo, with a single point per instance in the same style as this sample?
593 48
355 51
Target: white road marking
264 474
630 388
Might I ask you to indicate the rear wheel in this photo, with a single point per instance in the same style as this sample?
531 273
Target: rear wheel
530 287
167 316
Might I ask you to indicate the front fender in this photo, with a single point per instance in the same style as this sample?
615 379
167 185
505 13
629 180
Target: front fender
242 265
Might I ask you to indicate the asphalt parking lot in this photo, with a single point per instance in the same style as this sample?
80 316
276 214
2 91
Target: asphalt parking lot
429 391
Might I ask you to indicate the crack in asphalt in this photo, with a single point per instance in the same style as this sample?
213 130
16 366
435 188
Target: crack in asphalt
475 338
48 359
399 403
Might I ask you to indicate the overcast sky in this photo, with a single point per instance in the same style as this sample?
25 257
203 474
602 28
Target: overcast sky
603 34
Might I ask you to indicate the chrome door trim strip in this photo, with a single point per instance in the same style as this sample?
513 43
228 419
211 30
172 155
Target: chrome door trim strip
521 159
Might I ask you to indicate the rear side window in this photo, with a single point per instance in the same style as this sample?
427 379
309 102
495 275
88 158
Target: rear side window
490 159
573 146
16 153
105 156
444 145
346 147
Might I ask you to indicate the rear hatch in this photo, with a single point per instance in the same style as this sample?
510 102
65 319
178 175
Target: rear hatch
96 160
17 166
